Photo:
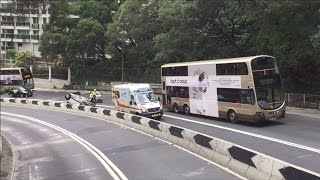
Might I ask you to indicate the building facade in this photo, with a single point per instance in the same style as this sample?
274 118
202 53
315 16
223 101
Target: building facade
21 31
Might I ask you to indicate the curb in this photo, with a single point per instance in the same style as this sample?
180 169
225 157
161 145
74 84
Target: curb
243 161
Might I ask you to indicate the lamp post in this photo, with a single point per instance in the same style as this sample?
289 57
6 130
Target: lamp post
121 49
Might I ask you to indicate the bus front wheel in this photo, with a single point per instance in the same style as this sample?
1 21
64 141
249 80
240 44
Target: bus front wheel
232 116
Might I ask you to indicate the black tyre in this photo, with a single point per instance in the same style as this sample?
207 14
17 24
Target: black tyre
158 118
232 116
175 108
186 109
67 96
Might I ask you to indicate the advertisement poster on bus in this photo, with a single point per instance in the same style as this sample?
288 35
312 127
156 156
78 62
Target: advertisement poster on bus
203 83
203 93
9 79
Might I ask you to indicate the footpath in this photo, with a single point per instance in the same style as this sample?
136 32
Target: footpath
312 113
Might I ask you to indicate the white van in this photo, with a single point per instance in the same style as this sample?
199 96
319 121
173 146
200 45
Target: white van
136 99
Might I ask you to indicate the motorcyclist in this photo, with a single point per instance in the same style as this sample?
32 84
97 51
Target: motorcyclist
93 95
14 91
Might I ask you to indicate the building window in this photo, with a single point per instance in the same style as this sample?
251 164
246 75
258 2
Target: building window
7 20
23 21
35 20
7 31
23 34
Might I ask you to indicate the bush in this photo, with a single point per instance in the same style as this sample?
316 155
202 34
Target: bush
2 91
68 87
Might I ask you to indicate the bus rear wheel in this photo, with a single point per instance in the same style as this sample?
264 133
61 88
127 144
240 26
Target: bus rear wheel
175 108
186 109
232 116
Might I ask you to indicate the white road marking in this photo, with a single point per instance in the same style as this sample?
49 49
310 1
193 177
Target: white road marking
242 132
305 156
109 166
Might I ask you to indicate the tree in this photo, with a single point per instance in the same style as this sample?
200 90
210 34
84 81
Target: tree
21 59
76 32
131 37
288 31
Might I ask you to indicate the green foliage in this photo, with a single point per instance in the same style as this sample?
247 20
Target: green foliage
11 53
150 33
23 59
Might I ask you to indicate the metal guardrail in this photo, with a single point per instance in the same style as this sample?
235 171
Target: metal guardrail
303 100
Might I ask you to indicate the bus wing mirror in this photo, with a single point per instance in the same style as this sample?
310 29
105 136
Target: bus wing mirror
130 102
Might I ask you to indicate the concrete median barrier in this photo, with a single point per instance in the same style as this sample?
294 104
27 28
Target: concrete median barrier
246 162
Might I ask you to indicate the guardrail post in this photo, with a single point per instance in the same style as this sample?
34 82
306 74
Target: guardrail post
49 74
288 98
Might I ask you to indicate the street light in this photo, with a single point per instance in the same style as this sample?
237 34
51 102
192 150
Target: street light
121 49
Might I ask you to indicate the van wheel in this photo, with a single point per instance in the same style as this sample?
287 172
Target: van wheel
232 116
186 109
175 108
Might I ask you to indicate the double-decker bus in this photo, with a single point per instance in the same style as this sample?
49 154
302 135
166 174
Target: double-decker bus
10 77
245 88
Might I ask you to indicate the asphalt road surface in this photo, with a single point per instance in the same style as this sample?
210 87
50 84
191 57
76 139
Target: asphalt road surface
296 139
57 145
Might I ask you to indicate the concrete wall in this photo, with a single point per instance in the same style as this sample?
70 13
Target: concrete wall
46 84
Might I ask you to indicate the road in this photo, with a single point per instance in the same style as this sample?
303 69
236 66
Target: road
58 145
294 140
